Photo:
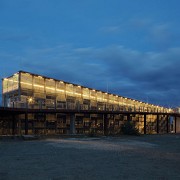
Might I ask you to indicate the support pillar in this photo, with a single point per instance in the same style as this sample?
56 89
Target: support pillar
72 124
167 124
26 123
105 125
175 120
13 125
128 117
144 123
157 128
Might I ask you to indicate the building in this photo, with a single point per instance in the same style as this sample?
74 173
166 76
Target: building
33 91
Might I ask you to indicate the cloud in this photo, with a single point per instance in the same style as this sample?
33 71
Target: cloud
13 35
140 75
146 33
110 29
14 38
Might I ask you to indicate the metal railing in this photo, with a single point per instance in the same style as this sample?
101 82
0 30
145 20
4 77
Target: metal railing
78 107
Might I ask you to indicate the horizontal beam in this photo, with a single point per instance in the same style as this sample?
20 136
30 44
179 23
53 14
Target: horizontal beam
5 110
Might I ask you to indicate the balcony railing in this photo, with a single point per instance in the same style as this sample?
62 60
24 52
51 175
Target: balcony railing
78 106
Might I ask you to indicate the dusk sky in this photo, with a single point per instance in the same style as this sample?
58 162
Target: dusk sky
125 47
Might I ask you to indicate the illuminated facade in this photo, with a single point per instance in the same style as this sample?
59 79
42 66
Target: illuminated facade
27 90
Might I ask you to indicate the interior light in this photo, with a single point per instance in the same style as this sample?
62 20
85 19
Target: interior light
30 100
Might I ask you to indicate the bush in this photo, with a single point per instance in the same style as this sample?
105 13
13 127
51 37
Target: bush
129 128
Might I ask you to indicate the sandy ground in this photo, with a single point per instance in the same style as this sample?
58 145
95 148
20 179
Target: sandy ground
126 157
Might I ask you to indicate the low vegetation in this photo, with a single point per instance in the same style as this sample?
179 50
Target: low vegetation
129 128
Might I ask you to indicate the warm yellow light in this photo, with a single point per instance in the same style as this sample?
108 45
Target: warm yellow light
60 90
30 100
85 95
69 92
78 93
38 86
29 84
50 88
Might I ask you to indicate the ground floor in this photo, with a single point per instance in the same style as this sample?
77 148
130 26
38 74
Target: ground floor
78 123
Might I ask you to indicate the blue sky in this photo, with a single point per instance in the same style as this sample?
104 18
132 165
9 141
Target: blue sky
130 46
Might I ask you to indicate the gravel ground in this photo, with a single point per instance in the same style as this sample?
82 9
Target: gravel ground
105 158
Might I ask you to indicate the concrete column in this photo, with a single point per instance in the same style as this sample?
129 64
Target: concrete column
128 117
167 124
26 124
157 129
13 125
72 124
175 123
105 125
144 123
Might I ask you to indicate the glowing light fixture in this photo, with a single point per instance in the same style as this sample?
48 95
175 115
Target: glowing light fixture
30 99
